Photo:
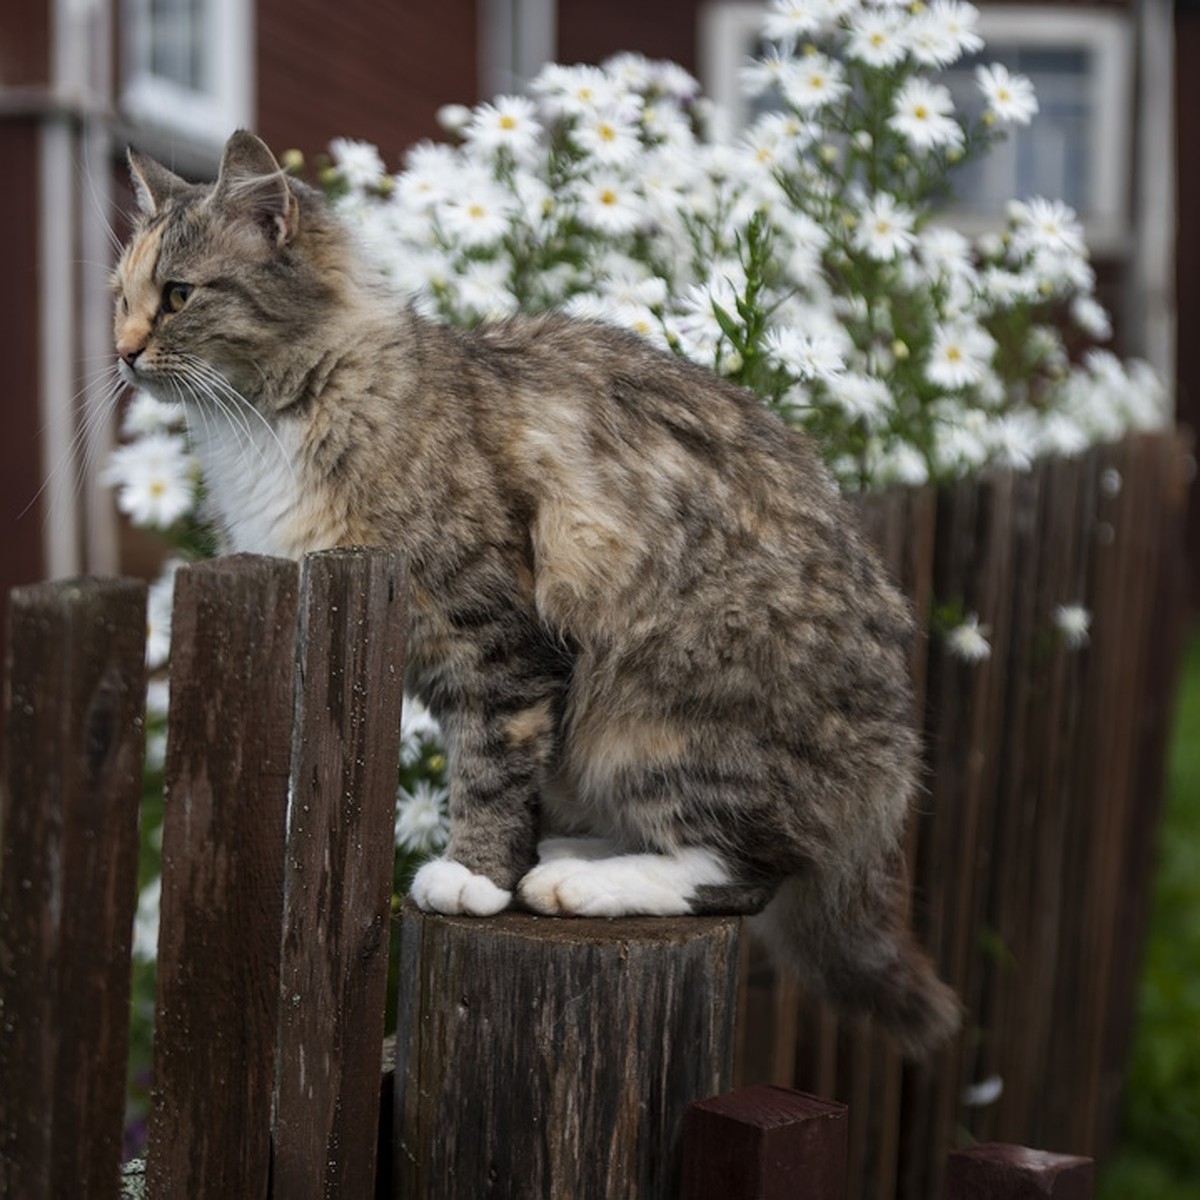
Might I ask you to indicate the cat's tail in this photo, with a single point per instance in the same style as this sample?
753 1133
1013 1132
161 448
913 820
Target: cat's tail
849 939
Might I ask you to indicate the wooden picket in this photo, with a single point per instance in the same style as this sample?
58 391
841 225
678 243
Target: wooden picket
73 740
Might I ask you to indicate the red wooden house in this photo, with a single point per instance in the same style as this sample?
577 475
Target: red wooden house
79 79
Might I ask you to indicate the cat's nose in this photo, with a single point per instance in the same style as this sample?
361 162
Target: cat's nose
130 352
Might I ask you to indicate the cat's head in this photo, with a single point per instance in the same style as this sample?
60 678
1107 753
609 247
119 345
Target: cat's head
221 282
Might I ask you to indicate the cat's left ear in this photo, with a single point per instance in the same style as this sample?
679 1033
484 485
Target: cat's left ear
252 186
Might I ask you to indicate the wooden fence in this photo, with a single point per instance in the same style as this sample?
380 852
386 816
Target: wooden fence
1032 852
586 1040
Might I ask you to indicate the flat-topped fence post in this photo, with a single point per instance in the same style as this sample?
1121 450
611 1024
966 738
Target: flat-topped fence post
765 1143
74 701
554 1056
991 1171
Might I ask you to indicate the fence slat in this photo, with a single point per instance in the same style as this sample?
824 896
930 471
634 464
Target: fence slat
339 874
995 1172
73 711
556 1056
228 755
764 1143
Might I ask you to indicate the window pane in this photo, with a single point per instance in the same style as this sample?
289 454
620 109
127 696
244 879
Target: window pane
178 42
1050 157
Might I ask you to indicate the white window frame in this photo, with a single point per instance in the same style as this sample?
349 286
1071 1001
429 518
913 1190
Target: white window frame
728 29
206 117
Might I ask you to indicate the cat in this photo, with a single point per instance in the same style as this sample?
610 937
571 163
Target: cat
655 641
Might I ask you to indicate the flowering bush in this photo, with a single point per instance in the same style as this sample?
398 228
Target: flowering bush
802 257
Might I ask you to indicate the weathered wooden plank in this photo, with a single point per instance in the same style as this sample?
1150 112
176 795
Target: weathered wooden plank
74 701
556 1057
228 754
764 1143
990 1171
1165 459
339 874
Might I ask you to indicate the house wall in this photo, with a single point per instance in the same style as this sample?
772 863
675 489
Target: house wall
361 69
21 515
1187 246
589 32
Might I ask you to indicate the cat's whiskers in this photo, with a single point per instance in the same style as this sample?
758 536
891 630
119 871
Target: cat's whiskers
235 407
90 417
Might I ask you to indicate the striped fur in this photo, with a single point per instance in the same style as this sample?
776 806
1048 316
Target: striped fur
638 606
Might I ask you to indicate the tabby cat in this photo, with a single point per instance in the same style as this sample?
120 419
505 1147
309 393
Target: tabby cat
671 676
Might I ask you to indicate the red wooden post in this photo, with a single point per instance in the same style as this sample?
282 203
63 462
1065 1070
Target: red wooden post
339 874
991 1171
224 824
764 1143
73 740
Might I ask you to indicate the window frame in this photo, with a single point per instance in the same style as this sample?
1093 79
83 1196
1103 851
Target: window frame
205 117
1105 34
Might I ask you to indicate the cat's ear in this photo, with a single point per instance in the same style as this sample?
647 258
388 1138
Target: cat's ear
252 187
153 184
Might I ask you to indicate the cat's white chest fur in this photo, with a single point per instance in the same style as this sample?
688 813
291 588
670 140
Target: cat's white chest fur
252 478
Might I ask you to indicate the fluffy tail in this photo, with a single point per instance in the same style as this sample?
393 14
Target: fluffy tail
849 940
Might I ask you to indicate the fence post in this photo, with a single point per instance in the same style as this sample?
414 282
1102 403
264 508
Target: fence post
228 754
339 874
991 1171
556 1056
73 737
764 1143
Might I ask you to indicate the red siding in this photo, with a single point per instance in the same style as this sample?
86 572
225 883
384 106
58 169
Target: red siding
24 43
361 69
20 449
590 32
1187 251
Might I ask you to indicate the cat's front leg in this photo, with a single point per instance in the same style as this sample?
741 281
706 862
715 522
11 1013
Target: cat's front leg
497 766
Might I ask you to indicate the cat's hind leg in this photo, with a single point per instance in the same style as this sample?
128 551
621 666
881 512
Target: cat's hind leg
572 881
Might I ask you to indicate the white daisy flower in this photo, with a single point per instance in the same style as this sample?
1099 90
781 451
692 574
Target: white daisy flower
155 478
768 71
145 921
478 213
884 228
922 115
944 32
422 818
160 599
960 355
609 204
146 414
358 163
1041 224
790 20
606 138
863 398
1010 98
1089 314
878 37
817 357
968 640
508 124
1073 623
815 82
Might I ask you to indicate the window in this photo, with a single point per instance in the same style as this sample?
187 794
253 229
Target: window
187 66
1078 147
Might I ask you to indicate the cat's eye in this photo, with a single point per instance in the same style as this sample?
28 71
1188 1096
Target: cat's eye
175 296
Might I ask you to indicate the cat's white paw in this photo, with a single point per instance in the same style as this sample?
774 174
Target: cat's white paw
448 887
628 885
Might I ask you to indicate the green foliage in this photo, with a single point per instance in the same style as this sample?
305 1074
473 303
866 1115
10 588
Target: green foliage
1159 1158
